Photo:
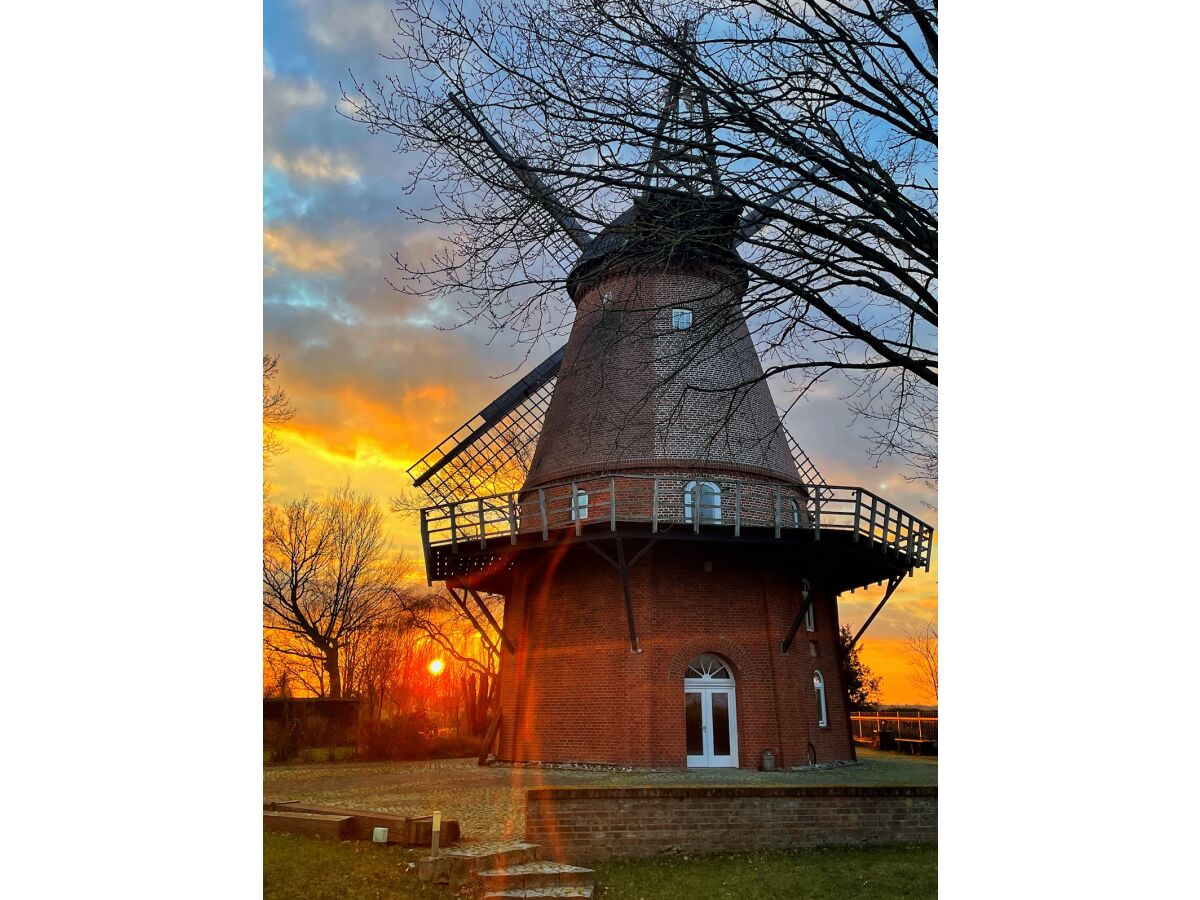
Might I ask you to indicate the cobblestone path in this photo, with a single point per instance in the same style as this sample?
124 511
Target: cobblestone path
489 802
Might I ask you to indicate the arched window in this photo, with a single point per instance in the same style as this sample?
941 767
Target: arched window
819 687
795 508
707 496
580 506
709 666
810 618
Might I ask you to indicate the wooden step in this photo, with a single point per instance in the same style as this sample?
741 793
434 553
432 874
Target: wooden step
540 874
323 826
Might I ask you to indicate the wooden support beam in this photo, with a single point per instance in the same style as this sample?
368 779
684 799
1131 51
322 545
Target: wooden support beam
489 739
492 619
624 570
806 600
425 546
462 604
893 583
737 509
650 543
612 504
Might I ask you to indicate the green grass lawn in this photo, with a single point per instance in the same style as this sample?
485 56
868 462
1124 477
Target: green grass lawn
880 873
310 869
303 868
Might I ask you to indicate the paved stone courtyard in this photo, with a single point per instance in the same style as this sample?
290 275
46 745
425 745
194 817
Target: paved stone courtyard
489 802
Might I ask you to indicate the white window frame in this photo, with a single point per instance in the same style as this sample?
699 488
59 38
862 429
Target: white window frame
819 688
795 513
579 503
678 314
690 497
810 618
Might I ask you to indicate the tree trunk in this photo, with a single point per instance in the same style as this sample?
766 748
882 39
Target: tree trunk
479 722
333 669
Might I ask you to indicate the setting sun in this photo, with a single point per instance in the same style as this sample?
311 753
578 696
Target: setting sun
436 667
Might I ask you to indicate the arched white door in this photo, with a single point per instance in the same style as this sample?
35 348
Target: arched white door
710 713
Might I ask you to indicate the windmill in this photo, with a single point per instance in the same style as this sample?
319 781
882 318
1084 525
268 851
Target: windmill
651 437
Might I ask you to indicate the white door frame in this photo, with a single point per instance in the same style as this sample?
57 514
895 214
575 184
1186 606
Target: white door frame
706 687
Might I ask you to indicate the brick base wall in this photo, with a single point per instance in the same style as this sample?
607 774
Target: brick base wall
573 692
583 825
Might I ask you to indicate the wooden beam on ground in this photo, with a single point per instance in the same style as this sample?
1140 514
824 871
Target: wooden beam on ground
362 823
311 824
421 831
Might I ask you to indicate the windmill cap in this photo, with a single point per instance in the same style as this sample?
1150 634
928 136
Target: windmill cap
661 230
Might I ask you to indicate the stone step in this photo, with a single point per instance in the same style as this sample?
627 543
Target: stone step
460 865
544 893
536 875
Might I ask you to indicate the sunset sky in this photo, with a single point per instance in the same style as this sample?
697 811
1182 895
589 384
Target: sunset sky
374 381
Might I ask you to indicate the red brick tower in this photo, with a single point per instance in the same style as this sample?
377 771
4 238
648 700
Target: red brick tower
670 566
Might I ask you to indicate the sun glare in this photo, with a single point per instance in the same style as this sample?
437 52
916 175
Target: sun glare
436 667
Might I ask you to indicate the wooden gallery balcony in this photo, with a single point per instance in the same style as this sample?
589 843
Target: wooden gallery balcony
854 536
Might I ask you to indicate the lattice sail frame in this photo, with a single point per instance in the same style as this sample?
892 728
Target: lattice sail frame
491 452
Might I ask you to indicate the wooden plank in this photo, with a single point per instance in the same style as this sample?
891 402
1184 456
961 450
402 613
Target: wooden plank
364 822
489 739
312 824
421 831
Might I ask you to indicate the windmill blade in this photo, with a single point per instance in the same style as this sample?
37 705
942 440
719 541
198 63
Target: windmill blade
528 184
809 473
756 220
492 450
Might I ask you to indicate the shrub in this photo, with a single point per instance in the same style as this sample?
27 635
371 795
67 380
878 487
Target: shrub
451 746
401 737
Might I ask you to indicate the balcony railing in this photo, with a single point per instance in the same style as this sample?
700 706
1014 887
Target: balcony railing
674 502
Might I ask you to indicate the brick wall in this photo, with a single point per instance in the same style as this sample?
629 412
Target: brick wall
582 825
573 691
632 389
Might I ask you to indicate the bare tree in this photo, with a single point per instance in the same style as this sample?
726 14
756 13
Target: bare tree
327 575
921 647
819 118
276 409
470 640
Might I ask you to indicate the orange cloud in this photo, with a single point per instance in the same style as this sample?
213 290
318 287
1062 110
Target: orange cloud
302 253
